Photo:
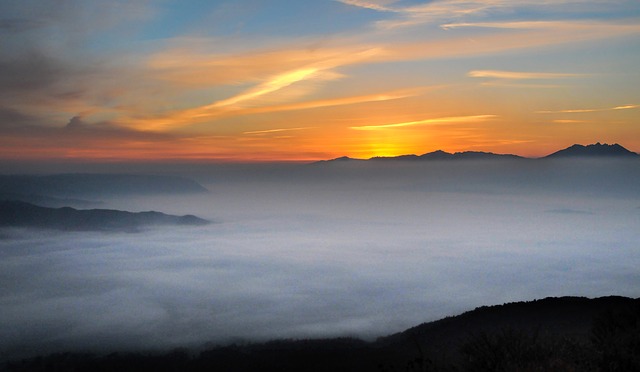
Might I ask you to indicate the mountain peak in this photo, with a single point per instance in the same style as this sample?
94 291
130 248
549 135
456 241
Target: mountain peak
594 150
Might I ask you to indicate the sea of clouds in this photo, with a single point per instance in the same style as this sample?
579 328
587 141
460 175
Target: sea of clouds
323 250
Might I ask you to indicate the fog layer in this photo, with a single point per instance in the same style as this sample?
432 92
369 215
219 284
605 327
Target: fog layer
324 250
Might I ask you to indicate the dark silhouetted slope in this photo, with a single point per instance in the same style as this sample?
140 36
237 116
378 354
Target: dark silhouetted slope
553 334
342 159
401 157
443 155
21 214
554 316
595 150
438 155
480 155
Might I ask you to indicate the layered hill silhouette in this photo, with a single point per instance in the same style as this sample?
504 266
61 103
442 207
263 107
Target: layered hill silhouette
553 334
50 201
596 150
21 214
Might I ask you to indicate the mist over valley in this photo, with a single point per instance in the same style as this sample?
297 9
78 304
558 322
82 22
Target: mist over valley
322 250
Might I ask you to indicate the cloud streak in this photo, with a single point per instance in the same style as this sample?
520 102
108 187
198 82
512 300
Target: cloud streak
271 85
444 120
434 11
324 60
340 101
519 75
277 130
587 110
369 5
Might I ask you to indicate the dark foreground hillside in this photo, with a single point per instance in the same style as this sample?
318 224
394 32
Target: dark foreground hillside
554 334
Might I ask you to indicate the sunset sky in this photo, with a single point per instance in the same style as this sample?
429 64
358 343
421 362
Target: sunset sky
282 80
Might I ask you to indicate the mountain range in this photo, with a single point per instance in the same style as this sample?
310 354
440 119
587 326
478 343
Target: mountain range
596 150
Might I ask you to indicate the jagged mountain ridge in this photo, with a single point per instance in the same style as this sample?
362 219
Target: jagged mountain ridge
594 150
574 151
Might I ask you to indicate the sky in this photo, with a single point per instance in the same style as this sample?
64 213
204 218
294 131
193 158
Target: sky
276 80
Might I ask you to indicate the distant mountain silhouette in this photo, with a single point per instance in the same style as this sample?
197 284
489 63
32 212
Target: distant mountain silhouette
96 185
595 150
342 159
553 334
21 214
592 151
443 155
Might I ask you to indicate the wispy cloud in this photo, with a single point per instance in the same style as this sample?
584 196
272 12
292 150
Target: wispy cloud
502 84
209 112
434 11
271 73
569 121
271 85
369 5
554 33
589 27
519 75
420 14
625 107
277 130
281 75
340 101
425 13
587 110
191 63
505 25
445 120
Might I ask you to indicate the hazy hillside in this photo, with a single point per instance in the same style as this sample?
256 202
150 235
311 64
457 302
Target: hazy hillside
21 214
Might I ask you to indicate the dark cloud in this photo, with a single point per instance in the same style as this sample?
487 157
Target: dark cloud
77 128
19 131
47 61
29 72
75 123
11 118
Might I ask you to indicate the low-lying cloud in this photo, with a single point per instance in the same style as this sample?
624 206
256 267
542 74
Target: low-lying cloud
322 251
